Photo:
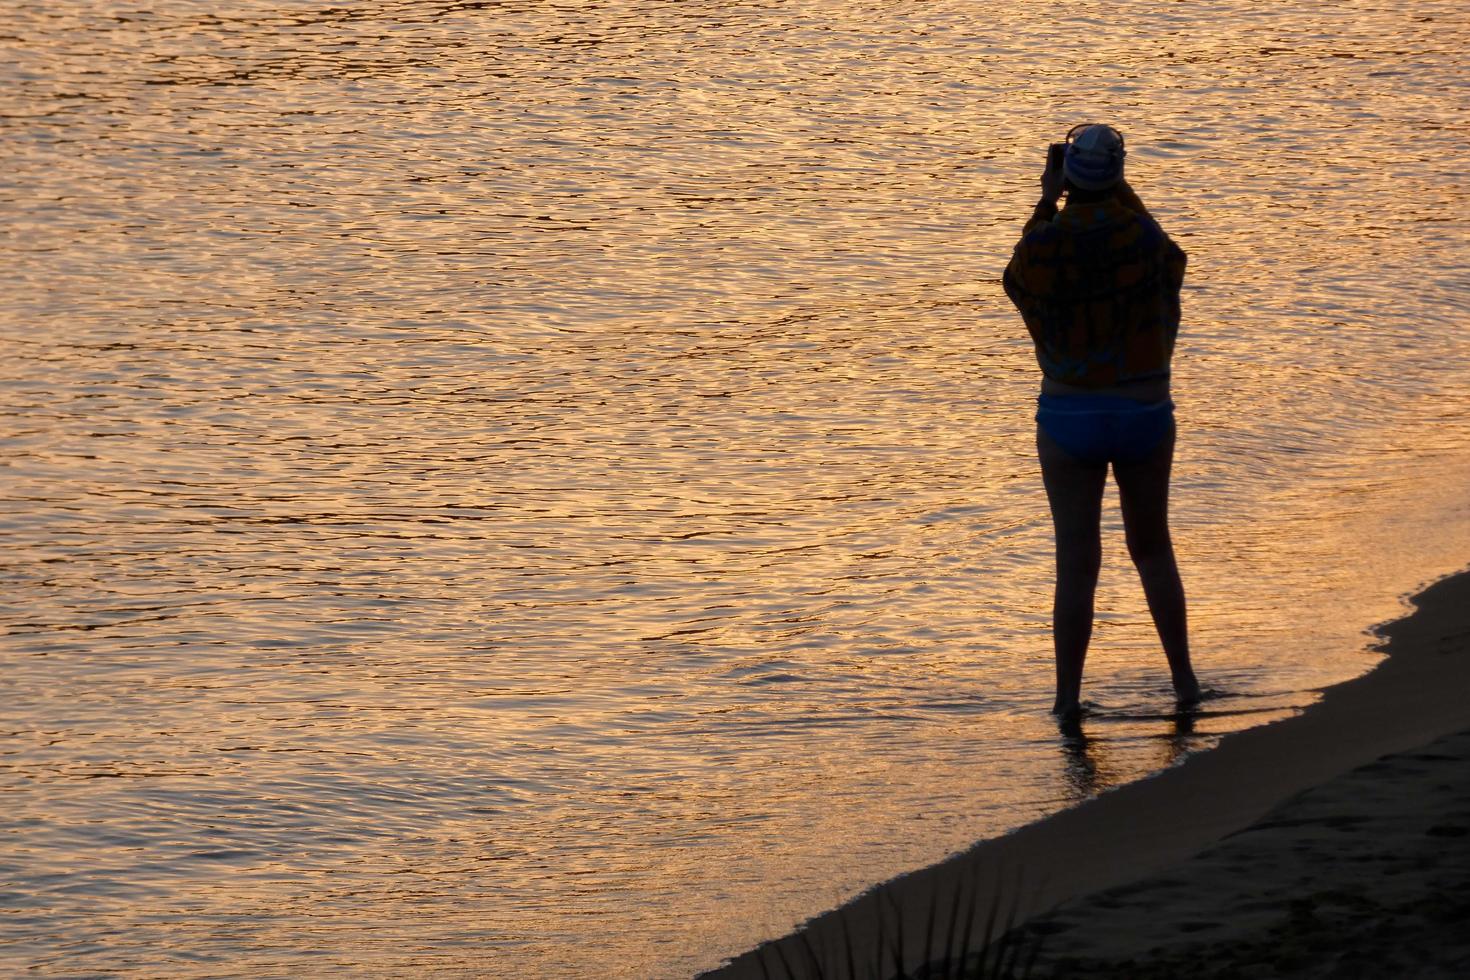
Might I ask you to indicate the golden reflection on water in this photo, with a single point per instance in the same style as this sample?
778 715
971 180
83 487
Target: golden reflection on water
547 489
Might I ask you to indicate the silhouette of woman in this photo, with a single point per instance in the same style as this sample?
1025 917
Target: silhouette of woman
1098 287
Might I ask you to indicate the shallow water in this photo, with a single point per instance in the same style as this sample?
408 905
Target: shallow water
548 490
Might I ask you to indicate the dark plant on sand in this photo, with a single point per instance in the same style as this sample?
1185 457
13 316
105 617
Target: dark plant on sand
951 948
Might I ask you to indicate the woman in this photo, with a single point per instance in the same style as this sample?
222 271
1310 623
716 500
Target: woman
1098 287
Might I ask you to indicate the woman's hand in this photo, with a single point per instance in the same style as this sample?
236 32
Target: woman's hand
1052 182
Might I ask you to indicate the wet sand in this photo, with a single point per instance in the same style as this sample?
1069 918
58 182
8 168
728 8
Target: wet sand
1331 843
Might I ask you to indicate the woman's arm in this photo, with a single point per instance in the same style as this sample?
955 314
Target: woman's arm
1045 211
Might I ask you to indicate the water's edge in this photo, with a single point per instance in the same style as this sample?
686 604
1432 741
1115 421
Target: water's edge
1142 827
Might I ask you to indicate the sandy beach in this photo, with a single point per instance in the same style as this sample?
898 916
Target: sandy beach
1333 843
1366 875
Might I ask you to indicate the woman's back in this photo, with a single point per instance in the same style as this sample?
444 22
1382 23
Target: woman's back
1098 288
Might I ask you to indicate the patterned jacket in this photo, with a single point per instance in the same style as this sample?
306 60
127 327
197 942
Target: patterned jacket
1098 286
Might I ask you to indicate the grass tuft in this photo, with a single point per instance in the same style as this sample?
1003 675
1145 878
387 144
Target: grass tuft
1001 952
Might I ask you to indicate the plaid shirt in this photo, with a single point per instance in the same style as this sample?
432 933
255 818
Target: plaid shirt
1098 287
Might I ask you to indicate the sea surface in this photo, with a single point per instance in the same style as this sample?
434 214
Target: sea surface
548 489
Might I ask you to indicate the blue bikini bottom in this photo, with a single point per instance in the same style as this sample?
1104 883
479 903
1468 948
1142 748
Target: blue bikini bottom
1100 429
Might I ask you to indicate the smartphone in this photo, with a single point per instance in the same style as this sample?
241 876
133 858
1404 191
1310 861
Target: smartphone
1054 155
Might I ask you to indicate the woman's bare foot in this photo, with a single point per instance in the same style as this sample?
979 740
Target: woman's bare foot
1186 690
1067 711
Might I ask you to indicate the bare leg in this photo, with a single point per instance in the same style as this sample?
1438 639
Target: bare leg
1075 490
1143 490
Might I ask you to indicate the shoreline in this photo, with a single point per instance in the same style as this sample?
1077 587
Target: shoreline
1414 697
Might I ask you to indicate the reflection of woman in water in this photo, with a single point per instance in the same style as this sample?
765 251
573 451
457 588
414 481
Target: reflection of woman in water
1098 286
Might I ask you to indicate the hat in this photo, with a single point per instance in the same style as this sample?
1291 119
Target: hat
1094 159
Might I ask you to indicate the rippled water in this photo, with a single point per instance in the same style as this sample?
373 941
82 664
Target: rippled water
547 489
